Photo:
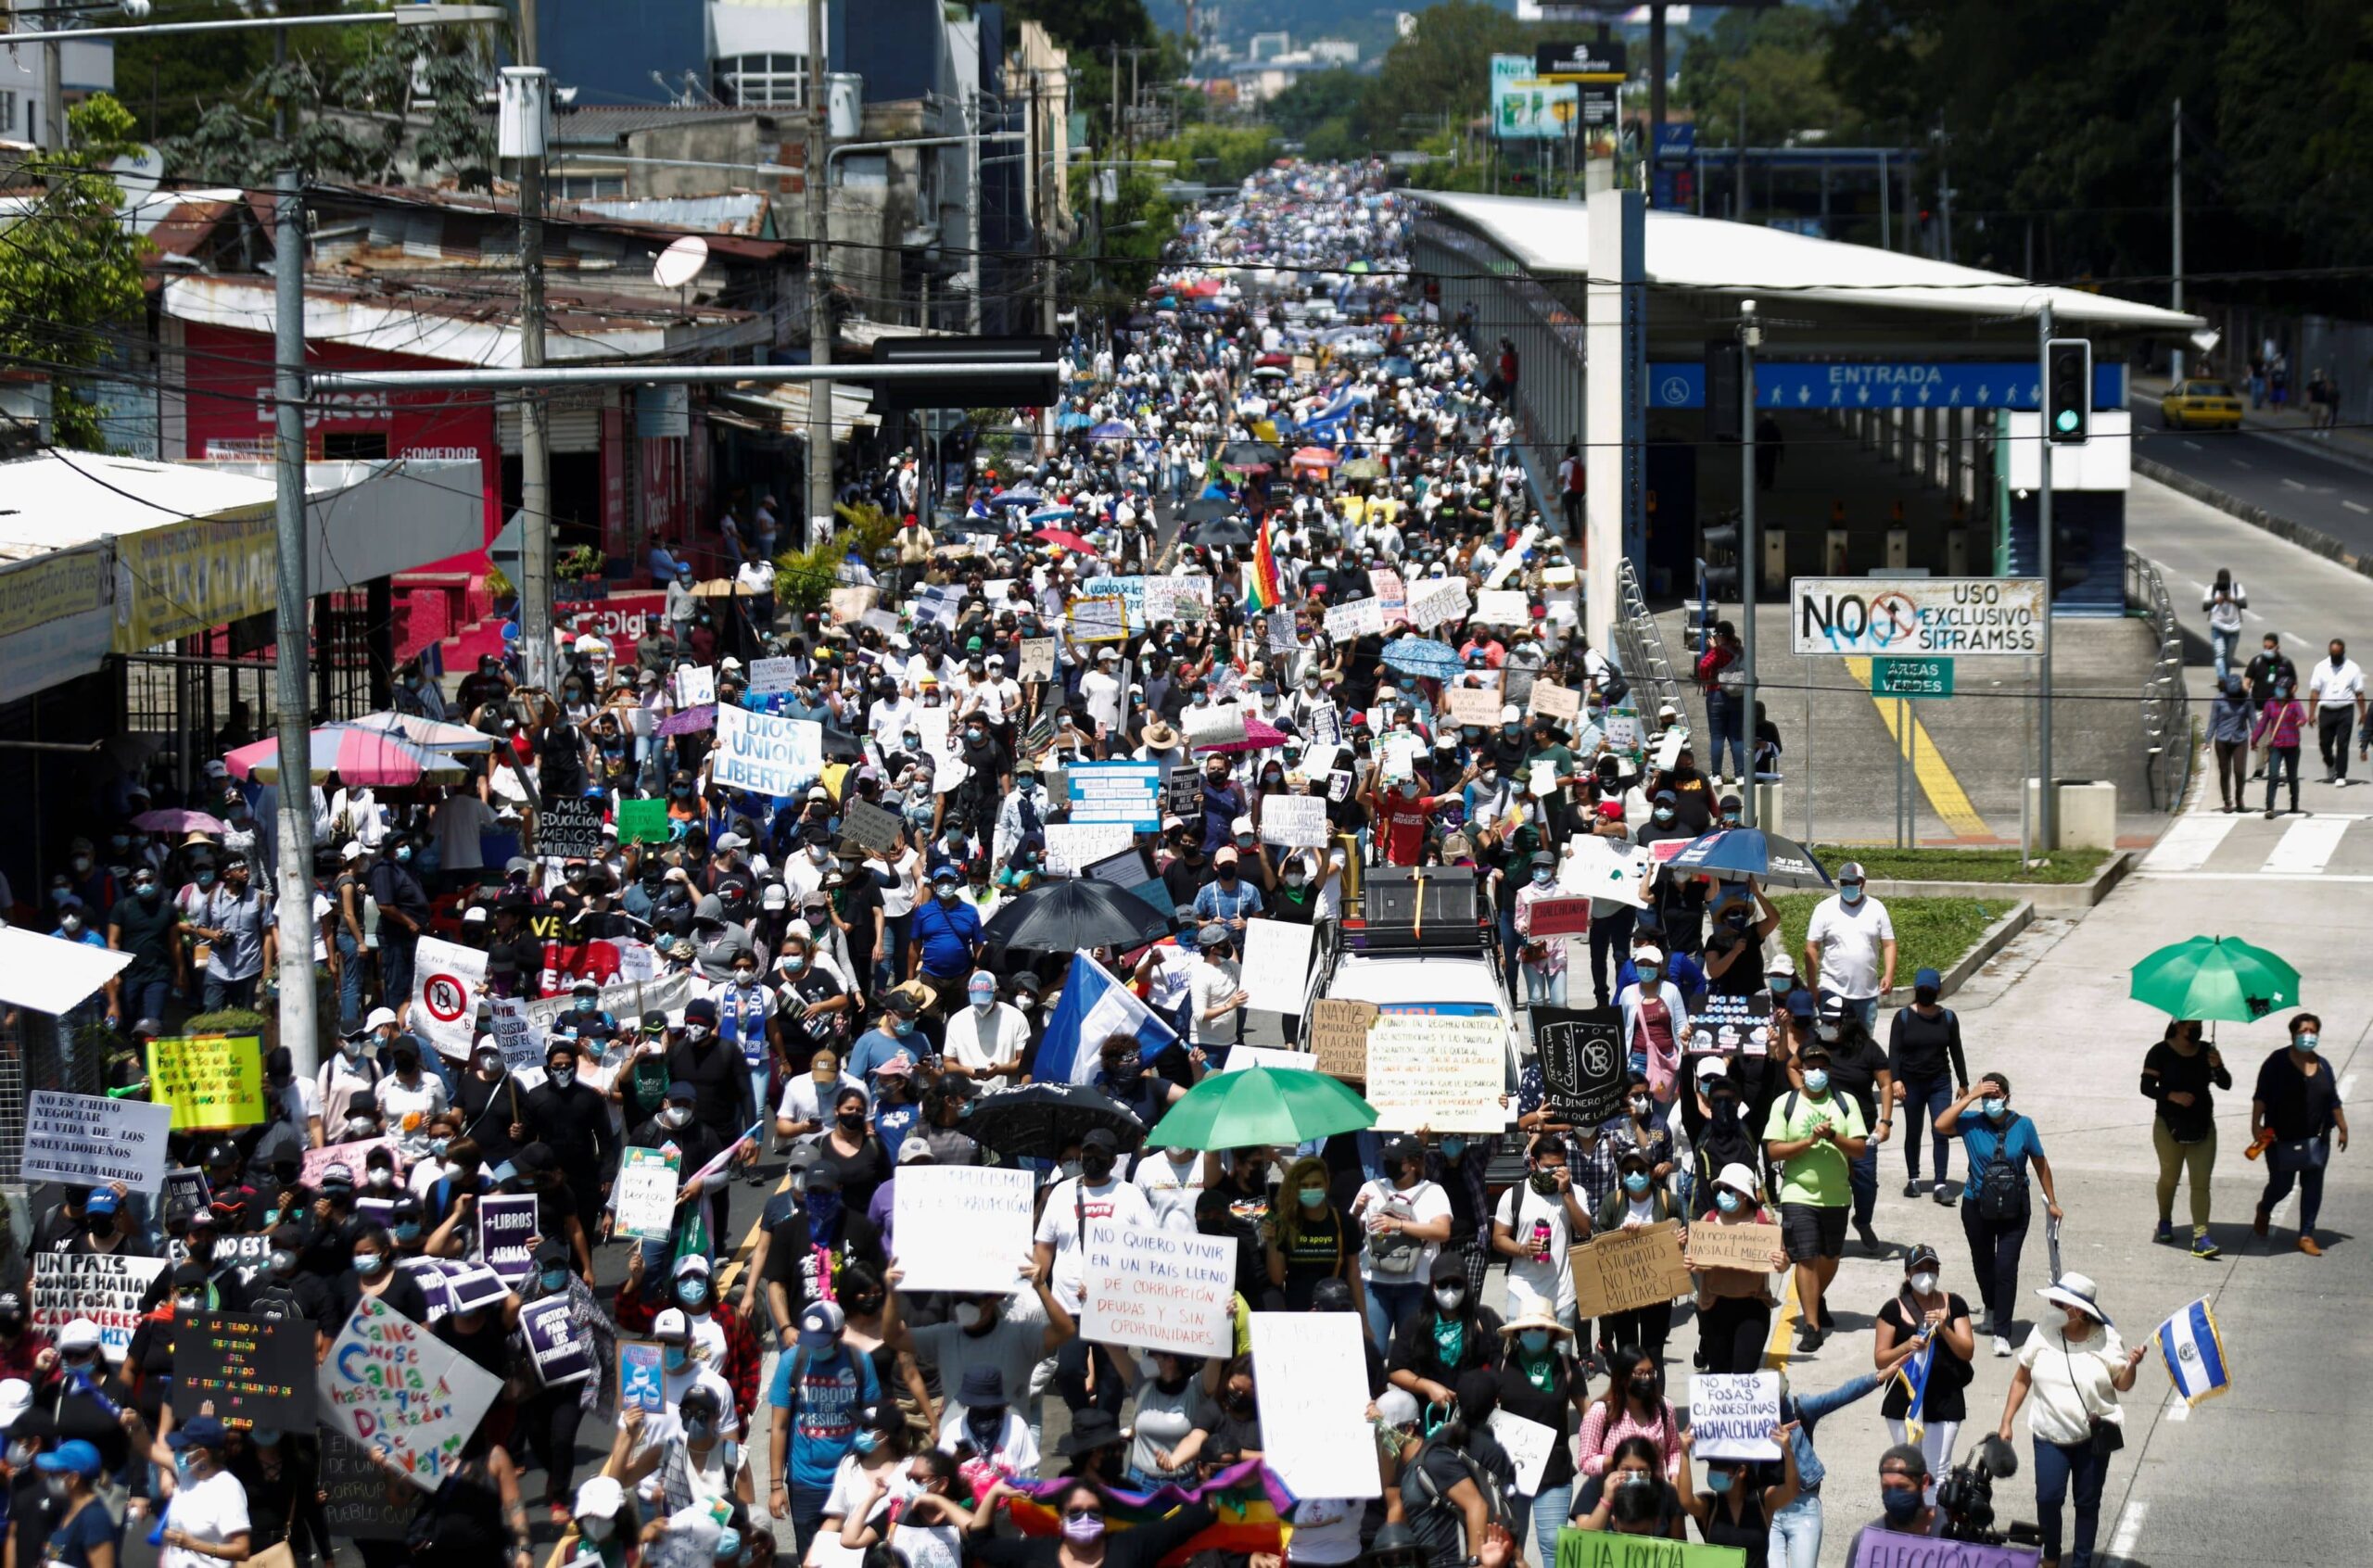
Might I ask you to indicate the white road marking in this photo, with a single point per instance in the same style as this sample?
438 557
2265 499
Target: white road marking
2240 462
2306 848
2263 877
2186 845
2346 1084
2129 1529
2359 507
2193 444
2294 485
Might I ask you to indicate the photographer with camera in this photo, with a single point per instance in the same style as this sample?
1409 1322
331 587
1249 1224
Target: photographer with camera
2069 1375
1905 1488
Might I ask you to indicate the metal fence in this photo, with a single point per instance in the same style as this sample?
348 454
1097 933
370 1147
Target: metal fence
2166 701
1639 646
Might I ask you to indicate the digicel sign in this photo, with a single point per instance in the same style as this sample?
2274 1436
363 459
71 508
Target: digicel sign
334 407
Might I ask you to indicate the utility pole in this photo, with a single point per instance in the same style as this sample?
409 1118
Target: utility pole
53 87
2047 800
1945 185
2177 364
1750 339
820 308
535 410
294 895
1741 213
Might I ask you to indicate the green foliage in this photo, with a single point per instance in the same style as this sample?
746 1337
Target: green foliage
1315 99
1219 155
804 579
1090 29
583 562
69 271
232 1021
1443 67
1128 248
1778 59
1887 864
1931 934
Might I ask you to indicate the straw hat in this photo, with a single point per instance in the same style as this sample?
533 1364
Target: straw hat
1538 1316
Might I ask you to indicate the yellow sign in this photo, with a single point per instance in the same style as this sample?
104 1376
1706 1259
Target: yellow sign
184 577
52 587
210 1081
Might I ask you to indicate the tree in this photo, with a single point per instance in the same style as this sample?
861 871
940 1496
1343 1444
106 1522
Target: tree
1314 99
1778 59
1442 68
69 270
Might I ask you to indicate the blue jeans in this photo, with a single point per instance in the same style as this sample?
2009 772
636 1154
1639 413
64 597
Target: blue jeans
1549 1508
2220 647
145 999
1865 1008
1390 1305
2056 1465
1924 1100
1796 1534
1862 1177
1542 987
350 984
1725 719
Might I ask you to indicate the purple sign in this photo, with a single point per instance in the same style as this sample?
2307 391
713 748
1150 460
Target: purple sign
562 1355
1874 1548
691 721
507 1235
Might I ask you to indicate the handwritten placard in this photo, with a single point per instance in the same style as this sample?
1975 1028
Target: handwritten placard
1503 607
1750 1246
1295 821
1072 847
1339 1034
1582 1068
1874 1548
1597 1549
961 1227
1552 700
252 1370
1038 659
1732 1415
645 1194
1098 620
1473 704
1360 617
506 1226
1599 867
1621 1270
1276 964
772 674
869 828
1527 1444
90 1141
391 1385
1314 1394
1218 724
208 1080
106 1287
1557 917
1442 1071
1437 601
358 1509
765 754
1158 1289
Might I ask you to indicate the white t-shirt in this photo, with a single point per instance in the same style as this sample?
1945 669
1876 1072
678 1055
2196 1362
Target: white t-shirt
1016 1453
2070 1380
801 1103
2342 684
933 1545
1424 1203
1071 1208
406 1111
302 1099
214 1510
977 1043
1531 1279
1208 986
1852 944
1102 696
1171 1189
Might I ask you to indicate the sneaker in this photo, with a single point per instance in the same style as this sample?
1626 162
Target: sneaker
2258 1223
2307 1245
1869 1240
2164 1233
2202 1246
2001 1345
1809 1338
1945 1193
1911 1188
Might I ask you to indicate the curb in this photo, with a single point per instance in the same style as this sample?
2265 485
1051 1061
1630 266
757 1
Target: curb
1997 937
2049 898
2256 516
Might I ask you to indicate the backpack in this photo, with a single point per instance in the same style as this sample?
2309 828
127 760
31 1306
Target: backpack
1430 1494
1396 1255
2002 1186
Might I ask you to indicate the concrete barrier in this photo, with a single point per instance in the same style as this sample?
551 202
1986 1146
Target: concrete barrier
2086 811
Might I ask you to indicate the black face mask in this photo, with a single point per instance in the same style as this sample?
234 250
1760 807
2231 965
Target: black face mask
1096 1164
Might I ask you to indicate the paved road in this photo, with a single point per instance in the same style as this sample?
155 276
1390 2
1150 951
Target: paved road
2289 476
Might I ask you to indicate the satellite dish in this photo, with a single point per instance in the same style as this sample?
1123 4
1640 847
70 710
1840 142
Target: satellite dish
139 173
680 262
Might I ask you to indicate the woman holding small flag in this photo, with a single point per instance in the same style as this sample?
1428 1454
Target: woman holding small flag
2069 1377
1939 1372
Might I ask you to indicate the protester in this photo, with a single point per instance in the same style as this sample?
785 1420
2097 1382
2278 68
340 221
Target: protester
2069 1375
2294 1113
2003 1146
2180 1074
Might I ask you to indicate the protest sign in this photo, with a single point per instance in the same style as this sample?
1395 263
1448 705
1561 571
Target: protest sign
1527 1444
1072 847
1182 792
765 754
448 980
1360 617
641 1376
1556 916
772 674
1284 637
881 621
1038 659
1128 792
185 1194
1737 1023
89 1141
1436 600
569 827
1668 747
521 1042
1621 1270
644 1195
1098 620
247 1254
1623 732
1472 704
1749 1247
358 1509
637 962
1874 1548
1338 785
1339 1036
1217 724
560 1354
1295 821
1276 964
1542 783
208 1080
254 1370
695 686
1241 1058
1598 1548
1391 600
106 1287
643 822
354 1156
1445 1072
1607 868
627 999
1160 1290
1314 1399
1583 1063
1503 607
869 828
507 1221
1186 600
851 603
1556 702
1732 1415
394 1387
961 1227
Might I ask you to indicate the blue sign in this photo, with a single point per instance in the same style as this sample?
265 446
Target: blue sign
1784 384
1675 141
1115 791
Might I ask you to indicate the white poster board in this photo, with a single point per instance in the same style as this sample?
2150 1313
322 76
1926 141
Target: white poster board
644 1194
105 1287
1295 821
1607 868
765 754
448 980
1219 724
772 674
1160 1290
1360 617
1276 964
1733 1414
90 1141
1073 845
695 686
1444 1071
1438 601
1314 1397
1529 1446
1503 607
393 1386
961 1227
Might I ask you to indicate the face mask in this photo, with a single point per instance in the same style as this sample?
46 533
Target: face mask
699 1429
1663 814
1719 1481
866 1442
850 1121
1450 1298
1650 974
1851 893
1995 1107
189 1462
21 1454
1642 1105
596 1528
983 1000
1636 1182
1816 1081
1925 1281
1543 876
1728 1201
404 853
284 1262
369 1263
1311 1196
146 889
380 1178
745 977
695 1033
1828 1031
1900 1505
968 1314
693 1292
1083 1528
408 1232
675 1356
2304 1041
1545 1182
675 1115
1534 1341
555 1279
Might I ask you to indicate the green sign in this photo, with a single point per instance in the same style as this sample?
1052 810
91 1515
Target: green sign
1901 676
642 822
1594 1548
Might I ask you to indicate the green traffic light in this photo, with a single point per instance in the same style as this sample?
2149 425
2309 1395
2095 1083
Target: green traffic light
2065 420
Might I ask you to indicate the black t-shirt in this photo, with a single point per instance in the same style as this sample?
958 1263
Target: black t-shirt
1227 1429
575 1123
860 1172
2296 1105
1434 1517
1670 1511
33 1513
403 1293
857 902
1943 1400
720 1081
1854 1063
803 1037
1552 1407
141 927
1182 879
80 1415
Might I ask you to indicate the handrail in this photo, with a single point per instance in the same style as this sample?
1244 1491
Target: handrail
1639 647
2166 700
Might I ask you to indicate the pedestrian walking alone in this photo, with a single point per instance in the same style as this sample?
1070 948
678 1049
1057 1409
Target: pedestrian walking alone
1996 1205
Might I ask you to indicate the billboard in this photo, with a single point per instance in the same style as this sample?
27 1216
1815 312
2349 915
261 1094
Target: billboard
1524 108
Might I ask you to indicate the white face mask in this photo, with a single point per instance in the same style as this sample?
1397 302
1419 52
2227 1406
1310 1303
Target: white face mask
1924 1281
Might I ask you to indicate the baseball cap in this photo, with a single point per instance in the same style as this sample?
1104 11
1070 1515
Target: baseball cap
198 1432
820 1325
80 1334
914 1151
672 1326
75 1457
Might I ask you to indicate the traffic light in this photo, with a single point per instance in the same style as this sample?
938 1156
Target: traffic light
2068 390
1725 383
1718 568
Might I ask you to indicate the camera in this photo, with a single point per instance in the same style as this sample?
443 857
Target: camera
1965 1496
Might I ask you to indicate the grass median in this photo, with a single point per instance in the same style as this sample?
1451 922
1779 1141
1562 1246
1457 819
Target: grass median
1930 933
1886 864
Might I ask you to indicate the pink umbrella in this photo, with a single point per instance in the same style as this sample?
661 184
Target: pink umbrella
370 757
170 821
1257 736
1315 457
1067 539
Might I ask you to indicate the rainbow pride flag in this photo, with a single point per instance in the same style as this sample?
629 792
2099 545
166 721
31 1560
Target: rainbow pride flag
1262 592
1252 1506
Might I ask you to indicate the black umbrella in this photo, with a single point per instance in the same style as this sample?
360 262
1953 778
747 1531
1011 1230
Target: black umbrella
1073 916
841 746
1244 454
1202 509
1039 1120
1220 533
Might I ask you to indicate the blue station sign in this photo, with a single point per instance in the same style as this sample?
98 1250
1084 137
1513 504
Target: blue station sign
1784 384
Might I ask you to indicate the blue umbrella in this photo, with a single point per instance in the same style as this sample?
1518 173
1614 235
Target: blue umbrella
1111 430
1018 495
1751 851
1417 656
1071 419
1053 514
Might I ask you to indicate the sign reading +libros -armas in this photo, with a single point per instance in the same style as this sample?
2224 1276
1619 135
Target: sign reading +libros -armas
1912 678
1965 617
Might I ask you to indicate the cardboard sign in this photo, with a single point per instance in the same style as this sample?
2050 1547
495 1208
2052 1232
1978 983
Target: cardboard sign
256 1371
106 1288
961 1227
1098 620
1295 821
1339 1036
1071 848
1359 617
1038 660
561 1354
1186 600
1733 1414
644 1195
643 822
1555 702
1160 1290
1125 792
1528 1444
208 1082
90 1141
1620 1270
1557 917
642 1377
1217 724
1597 867
1597 1549
1314 1399
1470 705
569 827
506 1225
1874 1548
358 1509
1734 1246
448 980
765 754
869 828
355 1157
394 1387
1442 1071
1582 1065
1276 964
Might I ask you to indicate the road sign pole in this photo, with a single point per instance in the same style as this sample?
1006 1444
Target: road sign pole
1901 711
1911 785
2047 814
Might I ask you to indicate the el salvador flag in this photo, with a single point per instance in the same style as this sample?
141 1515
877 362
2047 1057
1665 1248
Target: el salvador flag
2194 1352
1094 1007
1913 1376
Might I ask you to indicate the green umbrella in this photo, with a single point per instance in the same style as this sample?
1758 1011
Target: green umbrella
1260 1105
2216 977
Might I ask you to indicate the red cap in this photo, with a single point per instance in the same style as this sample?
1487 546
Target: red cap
1610 810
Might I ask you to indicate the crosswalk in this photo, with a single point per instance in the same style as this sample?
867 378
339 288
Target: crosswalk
2330 847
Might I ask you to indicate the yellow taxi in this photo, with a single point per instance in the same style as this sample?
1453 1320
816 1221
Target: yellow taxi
2201 404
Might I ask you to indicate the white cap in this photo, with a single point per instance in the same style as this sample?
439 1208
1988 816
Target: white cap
15 1399
378 1015
1740 1178
599 1498
1649 954
80 1334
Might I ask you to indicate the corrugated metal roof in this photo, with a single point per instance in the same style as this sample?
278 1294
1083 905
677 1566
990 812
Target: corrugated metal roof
603 123
735 212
